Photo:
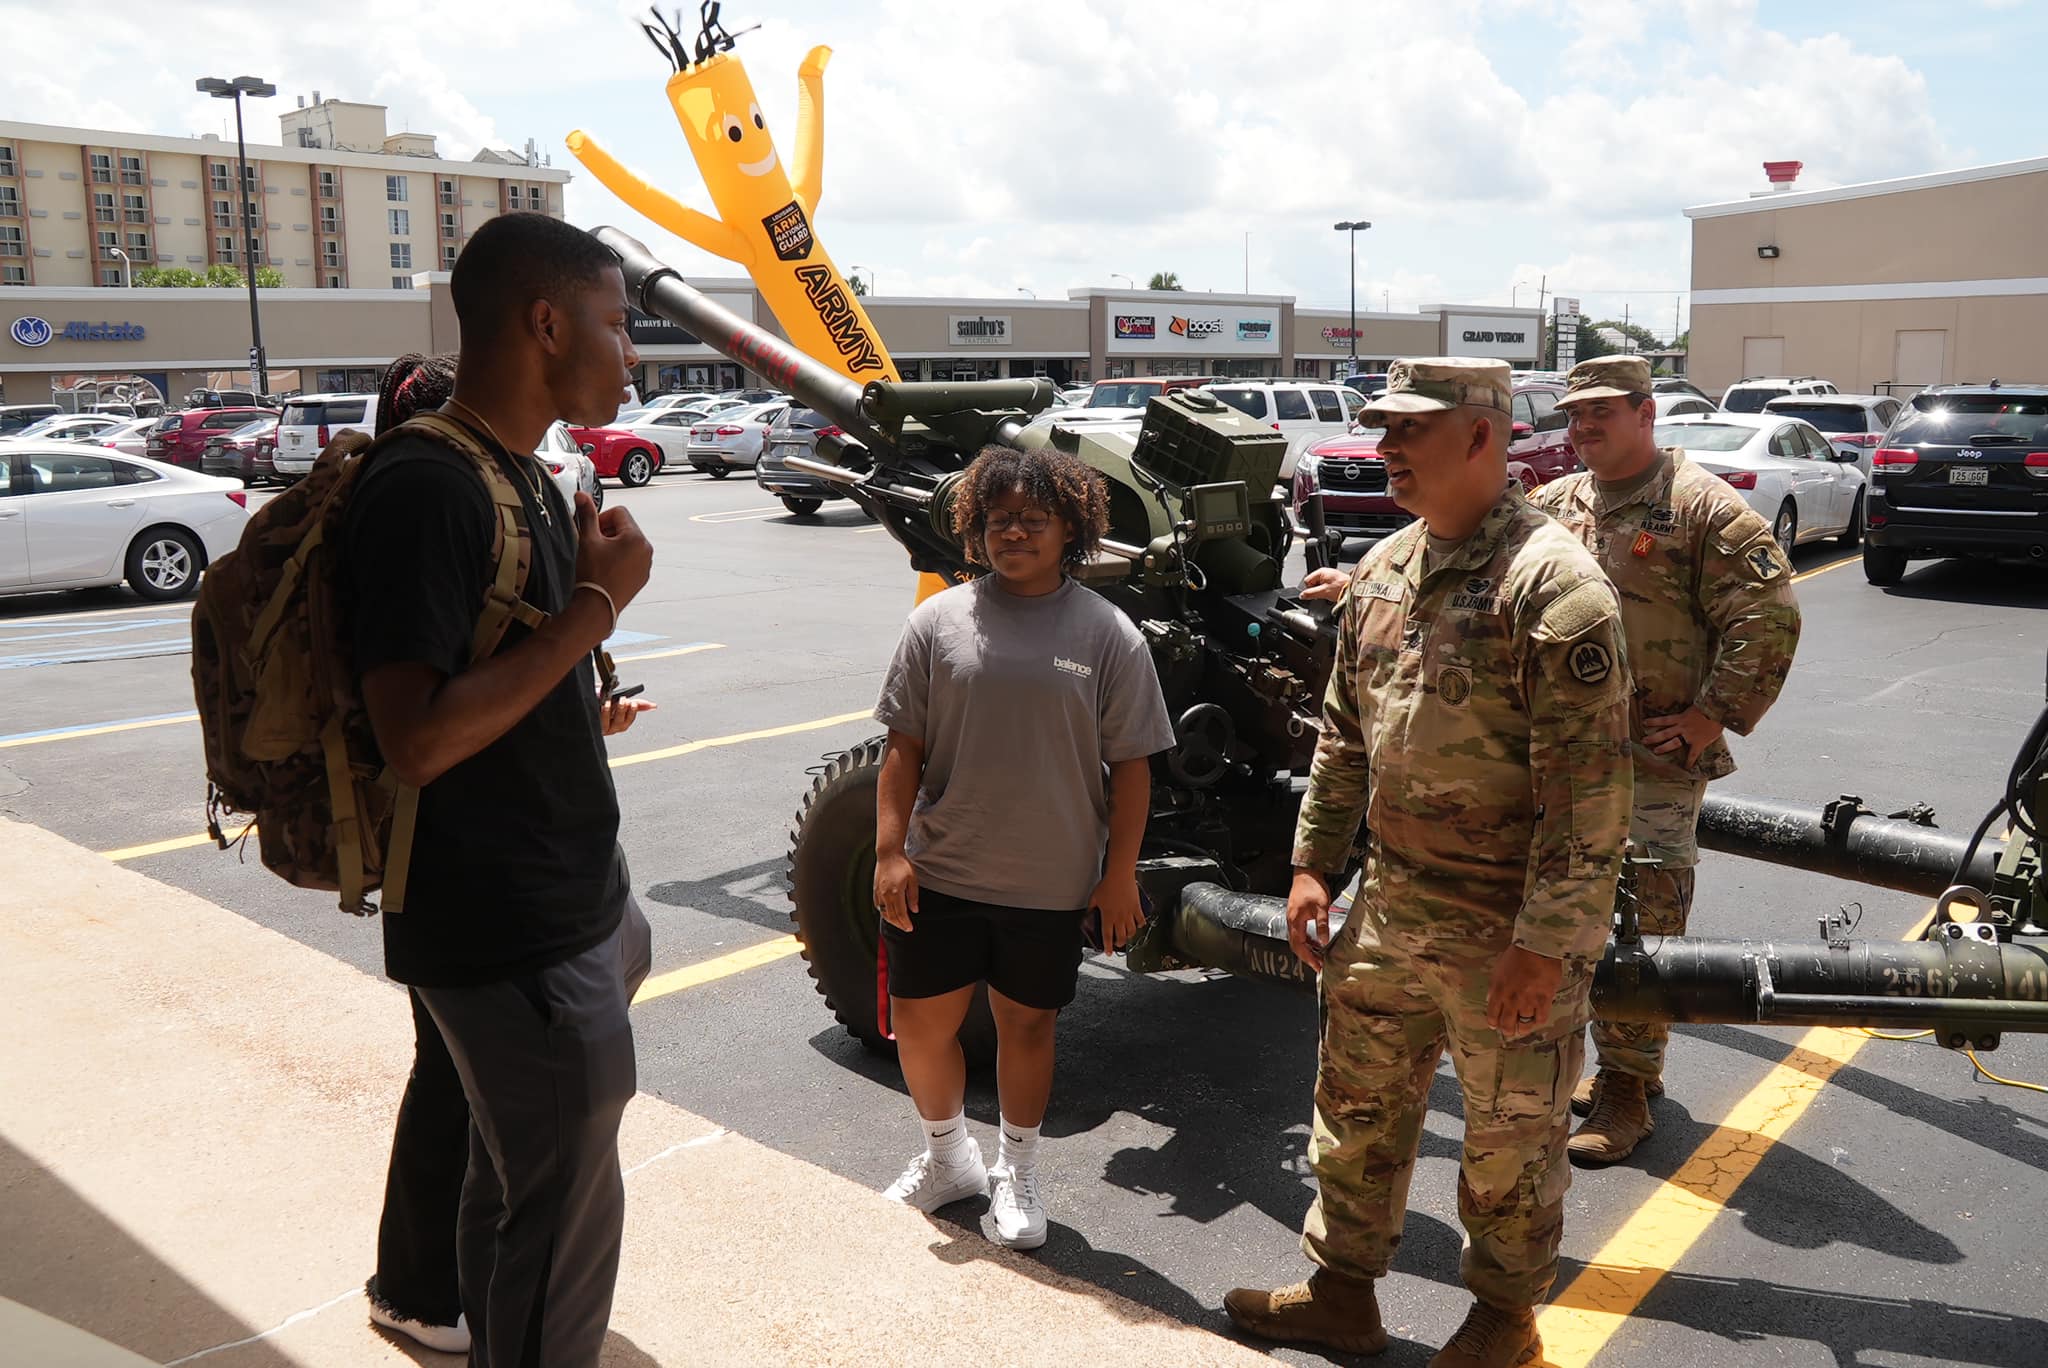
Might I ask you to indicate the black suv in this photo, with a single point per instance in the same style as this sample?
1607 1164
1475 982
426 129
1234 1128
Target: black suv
1962 472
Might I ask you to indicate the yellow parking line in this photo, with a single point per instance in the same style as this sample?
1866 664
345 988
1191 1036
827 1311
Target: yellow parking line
690 747
1587 1313
677 651
158 847
739 514
704 971
99 731
1831 565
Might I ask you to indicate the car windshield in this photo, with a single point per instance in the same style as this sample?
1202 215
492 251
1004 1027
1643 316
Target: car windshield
1249 402
1751 400
1704 436
257 428
1955 419
1112 394
313 412
1827 417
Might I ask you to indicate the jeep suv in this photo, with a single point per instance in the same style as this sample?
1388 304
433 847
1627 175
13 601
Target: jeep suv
1963 471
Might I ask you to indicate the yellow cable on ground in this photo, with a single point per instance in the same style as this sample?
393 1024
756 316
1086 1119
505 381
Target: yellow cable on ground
1978 1064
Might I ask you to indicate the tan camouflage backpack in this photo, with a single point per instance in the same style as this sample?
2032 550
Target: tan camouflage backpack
288 740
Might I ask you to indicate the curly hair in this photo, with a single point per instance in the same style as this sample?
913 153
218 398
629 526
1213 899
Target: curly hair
1050 479
413 384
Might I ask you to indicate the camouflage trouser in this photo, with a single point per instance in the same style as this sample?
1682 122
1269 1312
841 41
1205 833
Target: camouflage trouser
1663 825
1390 1004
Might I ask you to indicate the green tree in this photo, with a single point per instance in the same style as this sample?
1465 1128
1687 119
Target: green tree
858 287
167 278
1163 280
1642 337
1591 344
221 276
269 278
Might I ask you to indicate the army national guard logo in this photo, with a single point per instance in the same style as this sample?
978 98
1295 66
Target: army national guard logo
1453 686
1591 662
1763 562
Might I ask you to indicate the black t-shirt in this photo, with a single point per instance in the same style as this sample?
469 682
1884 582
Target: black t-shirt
515 860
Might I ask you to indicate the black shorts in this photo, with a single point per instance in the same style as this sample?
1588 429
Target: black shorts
1030 956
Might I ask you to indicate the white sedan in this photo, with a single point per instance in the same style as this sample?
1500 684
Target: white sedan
73 427
667 428
723 442
130 439
1784 467
77 517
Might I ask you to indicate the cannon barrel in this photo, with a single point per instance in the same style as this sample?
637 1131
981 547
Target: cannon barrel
1963 985
659 290
1844 841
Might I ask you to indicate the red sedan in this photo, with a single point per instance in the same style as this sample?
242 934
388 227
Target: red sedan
619 455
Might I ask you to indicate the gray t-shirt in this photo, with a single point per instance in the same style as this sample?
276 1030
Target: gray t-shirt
1020 703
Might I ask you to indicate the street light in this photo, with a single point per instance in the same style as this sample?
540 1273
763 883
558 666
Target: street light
1124 278
127 277
1515 294
871 276
256 88
1352 229
1022 291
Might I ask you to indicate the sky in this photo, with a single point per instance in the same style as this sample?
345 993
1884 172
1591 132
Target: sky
1501 149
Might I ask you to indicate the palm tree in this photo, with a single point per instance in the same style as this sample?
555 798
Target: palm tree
1163 280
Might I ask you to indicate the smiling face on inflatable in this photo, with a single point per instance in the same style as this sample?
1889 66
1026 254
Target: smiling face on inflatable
715 104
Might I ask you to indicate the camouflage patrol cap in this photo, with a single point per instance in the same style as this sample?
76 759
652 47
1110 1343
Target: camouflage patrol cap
1433 384
1606 377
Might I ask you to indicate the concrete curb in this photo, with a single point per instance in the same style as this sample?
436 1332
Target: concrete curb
193 1149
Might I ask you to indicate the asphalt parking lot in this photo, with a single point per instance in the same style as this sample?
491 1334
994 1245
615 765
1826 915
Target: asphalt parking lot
1809 1198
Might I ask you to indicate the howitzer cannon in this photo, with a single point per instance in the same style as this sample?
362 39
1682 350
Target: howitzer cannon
1197 542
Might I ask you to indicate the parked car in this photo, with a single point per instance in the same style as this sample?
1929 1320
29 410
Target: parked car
1784 468
1963 471
568 466
666 430
1680 404
246 454
76 517
130 439
732 440
796 434
309 422
179 438
1678 384
71 427
619 453
1303 412
1367 383
1854 424
1138 393
1539 442
1750 395
756 396
15 417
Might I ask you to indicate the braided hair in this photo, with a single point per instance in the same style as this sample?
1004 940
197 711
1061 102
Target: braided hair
414 383
1050 479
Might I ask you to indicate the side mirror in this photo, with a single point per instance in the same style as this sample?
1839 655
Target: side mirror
1521 430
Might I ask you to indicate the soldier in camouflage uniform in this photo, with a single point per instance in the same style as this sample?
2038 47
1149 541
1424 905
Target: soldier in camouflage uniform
1477 719
1706 600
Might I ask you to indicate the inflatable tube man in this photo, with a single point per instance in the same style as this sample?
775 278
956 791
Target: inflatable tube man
765 215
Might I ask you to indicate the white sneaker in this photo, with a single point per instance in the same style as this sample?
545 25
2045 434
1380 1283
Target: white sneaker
1015 1203
448 1339
927 1186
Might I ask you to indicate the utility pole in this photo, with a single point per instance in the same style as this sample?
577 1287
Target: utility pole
256 87
1247 261
1628 343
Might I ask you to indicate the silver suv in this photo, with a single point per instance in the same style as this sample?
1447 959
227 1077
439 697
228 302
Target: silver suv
1751 394
1854 424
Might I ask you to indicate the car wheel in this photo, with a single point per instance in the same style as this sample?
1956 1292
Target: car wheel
803 508
637 469
1883 566
1853 533
718 472
163 564
1786 528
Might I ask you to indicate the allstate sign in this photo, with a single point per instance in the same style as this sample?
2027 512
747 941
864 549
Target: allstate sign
31 332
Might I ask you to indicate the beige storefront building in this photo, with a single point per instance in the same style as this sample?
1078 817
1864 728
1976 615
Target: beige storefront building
1884 287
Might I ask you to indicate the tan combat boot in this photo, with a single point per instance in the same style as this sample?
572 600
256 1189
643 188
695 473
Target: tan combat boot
1492 1337
1328 1309
1620 1121
1589 1088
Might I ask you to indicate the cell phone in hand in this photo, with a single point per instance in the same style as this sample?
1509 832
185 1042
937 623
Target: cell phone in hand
625 691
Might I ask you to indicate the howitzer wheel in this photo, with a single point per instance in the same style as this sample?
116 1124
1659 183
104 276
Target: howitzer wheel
831 889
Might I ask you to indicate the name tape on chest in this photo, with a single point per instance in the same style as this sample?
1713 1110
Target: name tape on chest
1476 595
1390 590
1660 521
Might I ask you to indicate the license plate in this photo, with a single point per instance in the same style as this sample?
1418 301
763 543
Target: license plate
785 450
1970 475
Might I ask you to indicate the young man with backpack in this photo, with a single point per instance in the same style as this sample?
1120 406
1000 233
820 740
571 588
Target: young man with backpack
519 932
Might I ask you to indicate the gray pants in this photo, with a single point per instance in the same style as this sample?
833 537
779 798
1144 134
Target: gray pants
546 1060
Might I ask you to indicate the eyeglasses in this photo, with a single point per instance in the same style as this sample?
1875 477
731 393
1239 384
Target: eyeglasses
1033 522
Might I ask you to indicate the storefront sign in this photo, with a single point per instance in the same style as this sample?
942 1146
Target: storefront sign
1141 326
1341 337
1254 329
1222 329
978 330
1505 337
1567 333
1195 327
645 327
31 331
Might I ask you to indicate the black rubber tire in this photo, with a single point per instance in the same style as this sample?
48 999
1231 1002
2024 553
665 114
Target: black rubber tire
1853 533
636 467
718 472
831 892
164 564
803 508
1882 565
1785 528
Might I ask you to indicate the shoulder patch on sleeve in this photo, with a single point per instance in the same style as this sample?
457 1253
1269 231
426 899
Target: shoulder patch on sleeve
1575 612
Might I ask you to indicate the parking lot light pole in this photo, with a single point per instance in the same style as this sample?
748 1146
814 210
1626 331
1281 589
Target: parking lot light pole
127 275
256 88
1353 228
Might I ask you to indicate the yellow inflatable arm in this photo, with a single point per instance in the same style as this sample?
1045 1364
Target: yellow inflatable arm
657 204
807 171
